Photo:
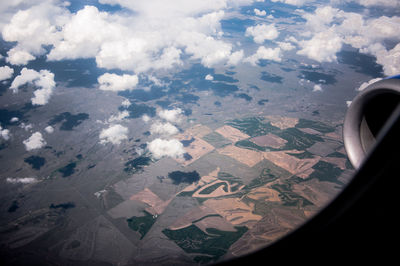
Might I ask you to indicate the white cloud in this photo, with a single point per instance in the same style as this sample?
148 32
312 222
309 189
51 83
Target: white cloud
165 129
161 147
235 58
156 37
114 134
26 127
317 87
4 133
286 46
118 117
262 32
329 28
32 28
19 57
114 82
35 141
366 84
322 47
293 2
126 103
174 115
14 119
43 79
386 3
389 59
49 129
6 72
260 13
21 180
273 54
146 118
209 77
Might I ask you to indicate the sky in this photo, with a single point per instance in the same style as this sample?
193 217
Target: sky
135 41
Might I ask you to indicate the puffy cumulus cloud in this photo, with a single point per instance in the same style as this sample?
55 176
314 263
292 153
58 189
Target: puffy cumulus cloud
262 32
286 46
35 141
21 180
235 58
32 29
366 84
114 134
330 28
389 59
165 129
118 117
260 13
49 129
44 80
293 2
84 33
146 118
317 87
16 56
322 47
156 37
126 103
273 54
4 133
145 41
373 3
209 77
161 148
175 8
114 82
173 115
6 72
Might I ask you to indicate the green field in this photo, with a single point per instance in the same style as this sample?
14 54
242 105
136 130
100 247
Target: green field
216 140
212 244
141 224
297 139
290 198
318 126
253 126
247 144
325 171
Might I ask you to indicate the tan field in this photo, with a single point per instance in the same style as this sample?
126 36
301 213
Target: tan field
339 162
310 131
290 163
282 122
234 211
333 135
264 192
215 222
196 149
203 181
219 192
245 156
198 131
231 133
157 206
198 216
269 140
319 193
195 214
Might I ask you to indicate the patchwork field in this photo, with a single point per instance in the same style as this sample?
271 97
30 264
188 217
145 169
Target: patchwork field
231 133
295 167
245 156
